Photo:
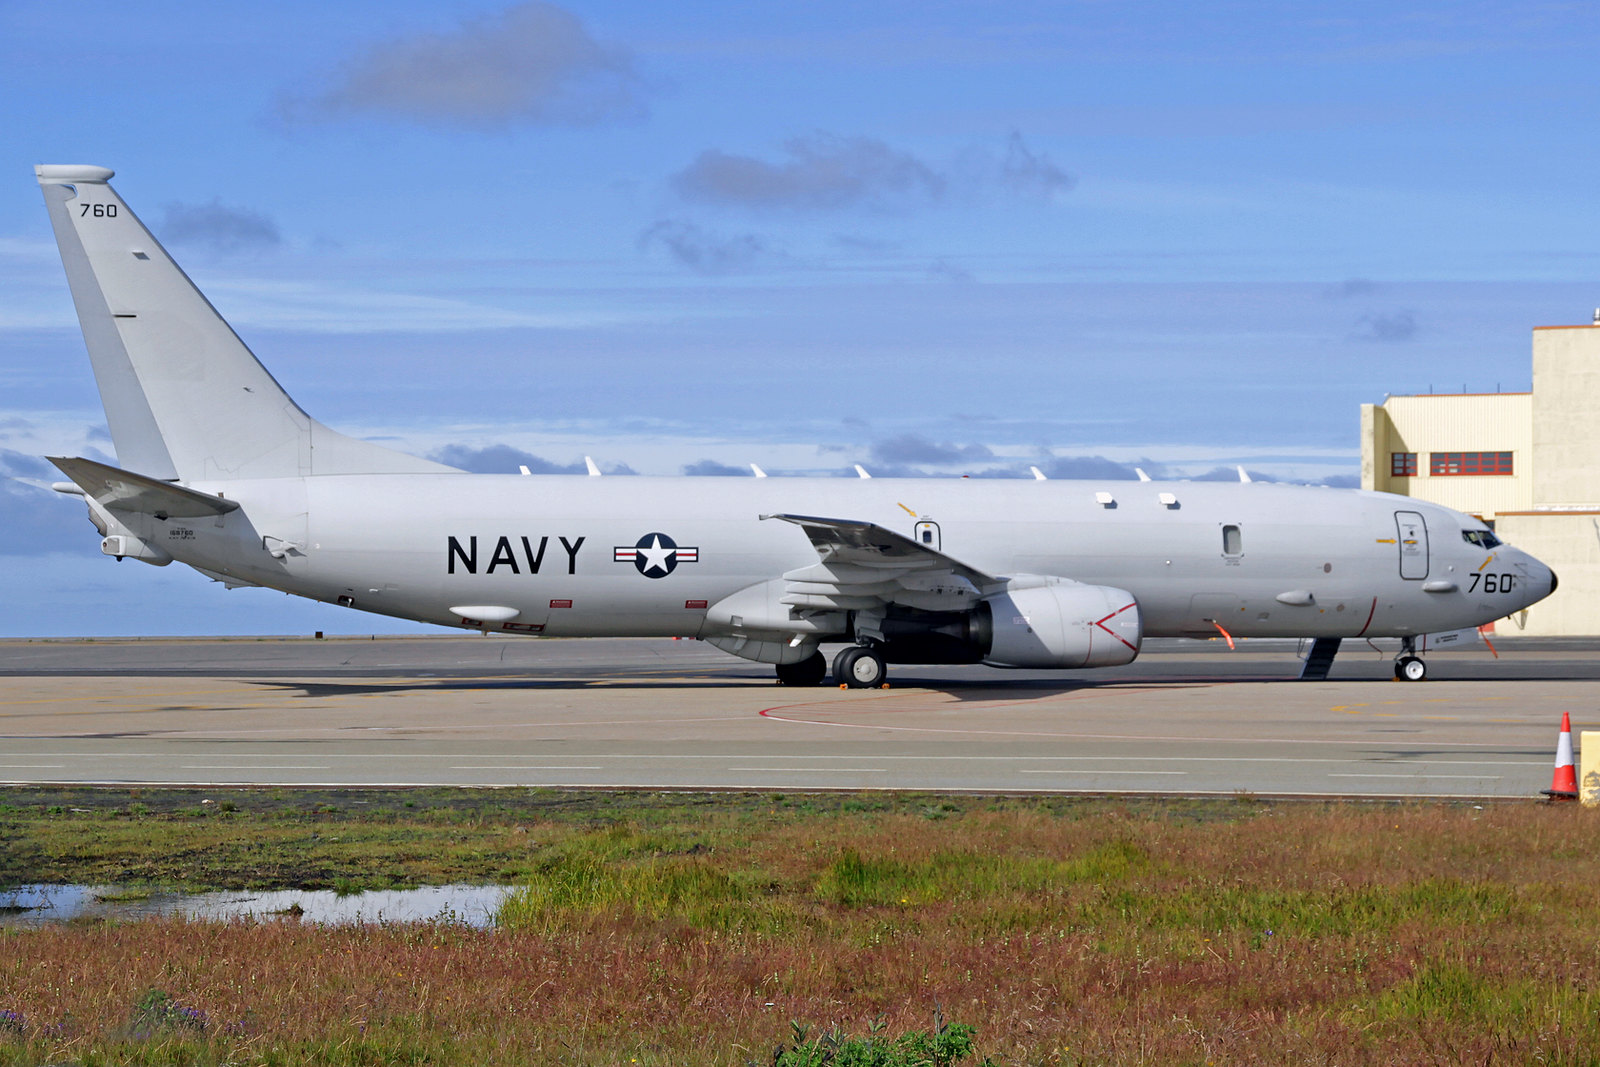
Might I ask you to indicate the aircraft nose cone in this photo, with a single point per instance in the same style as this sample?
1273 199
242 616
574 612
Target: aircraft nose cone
1554 581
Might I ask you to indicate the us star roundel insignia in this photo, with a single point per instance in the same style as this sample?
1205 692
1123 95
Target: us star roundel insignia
656 555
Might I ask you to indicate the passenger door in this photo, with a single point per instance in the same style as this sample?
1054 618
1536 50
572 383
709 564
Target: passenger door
1412 533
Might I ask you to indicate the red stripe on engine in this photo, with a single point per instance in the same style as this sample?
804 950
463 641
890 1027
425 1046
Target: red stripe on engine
1102 624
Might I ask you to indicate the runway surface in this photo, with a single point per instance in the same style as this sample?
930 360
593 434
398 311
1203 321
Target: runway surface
1187 718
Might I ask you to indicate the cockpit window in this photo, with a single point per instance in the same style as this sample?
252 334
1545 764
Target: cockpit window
1481 538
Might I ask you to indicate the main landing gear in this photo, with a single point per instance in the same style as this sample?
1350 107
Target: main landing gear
809 671
857 667
1408 666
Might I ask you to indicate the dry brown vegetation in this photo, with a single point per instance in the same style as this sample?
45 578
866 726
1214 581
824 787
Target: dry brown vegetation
1066 931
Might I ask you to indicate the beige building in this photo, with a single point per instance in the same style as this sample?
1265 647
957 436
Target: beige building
1527 463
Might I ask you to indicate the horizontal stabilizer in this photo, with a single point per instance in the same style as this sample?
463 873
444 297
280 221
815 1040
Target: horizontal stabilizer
120 490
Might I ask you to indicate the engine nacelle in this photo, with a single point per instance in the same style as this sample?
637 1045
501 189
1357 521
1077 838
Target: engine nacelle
1060 624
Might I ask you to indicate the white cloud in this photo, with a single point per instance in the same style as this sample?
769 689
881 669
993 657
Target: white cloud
219 228
1031 173
28 251
54 433
533 63
826 172
706 252
821 171
1390 328
36 317
806 449
320 307
33 286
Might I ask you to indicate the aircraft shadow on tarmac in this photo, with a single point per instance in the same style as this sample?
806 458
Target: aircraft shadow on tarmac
984 686
449 685
1021 689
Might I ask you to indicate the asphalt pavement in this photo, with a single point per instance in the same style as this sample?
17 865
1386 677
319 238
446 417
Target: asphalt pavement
1186 718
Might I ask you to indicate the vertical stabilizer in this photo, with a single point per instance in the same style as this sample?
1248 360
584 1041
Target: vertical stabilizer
184 398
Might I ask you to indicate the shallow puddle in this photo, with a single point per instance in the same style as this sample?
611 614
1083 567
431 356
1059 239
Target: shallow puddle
472 905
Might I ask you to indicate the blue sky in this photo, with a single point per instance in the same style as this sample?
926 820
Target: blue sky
930 238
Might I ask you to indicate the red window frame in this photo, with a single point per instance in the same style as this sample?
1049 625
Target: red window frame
1402 464
1464 464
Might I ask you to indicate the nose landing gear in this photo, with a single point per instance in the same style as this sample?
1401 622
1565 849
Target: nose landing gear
1408 666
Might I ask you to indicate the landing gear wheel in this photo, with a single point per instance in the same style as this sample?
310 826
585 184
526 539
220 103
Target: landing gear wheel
1410 669
809 671
840 667
859 668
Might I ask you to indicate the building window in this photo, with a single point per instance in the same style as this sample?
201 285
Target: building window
1402 464
1441 464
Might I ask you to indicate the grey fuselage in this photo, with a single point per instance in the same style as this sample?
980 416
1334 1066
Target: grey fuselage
560 550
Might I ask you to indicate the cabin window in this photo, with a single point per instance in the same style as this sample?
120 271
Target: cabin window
1481 538
1232 542
1402 464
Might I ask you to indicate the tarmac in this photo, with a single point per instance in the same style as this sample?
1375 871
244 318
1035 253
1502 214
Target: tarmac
1185 719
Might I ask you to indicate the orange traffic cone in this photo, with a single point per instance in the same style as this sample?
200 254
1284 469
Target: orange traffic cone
1564 783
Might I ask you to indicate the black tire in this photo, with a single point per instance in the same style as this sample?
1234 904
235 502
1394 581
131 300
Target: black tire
860 668
1410 669
839 669
807 672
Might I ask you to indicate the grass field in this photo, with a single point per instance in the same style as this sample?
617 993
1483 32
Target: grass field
693 929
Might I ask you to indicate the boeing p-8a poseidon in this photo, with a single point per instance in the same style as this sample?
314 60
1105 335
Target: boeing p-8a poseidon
222 470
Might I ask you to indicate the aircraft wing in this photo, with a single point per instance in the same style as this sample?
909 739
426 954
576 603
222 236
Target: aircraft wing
865 566
119 490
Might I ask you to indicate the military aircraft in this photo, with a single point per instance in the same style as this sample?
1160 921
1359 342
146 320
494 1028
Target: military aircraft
221 470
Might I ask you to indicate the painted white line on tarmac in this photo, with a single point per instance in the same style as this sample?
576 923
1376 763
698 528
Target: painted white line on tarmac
1409 777
1093 737
255 767
1091 772
453 727
813 770
520 767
